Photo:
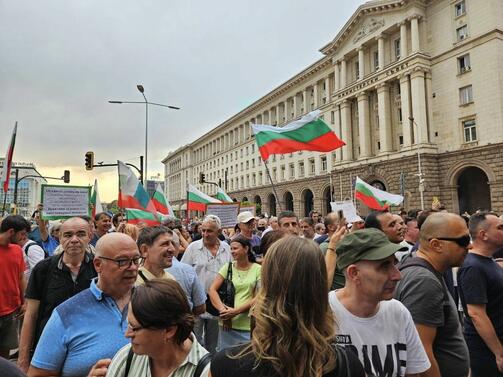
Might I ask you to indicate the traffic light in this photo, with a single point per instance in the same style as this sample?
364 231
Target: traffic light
66 176
202 177
89 160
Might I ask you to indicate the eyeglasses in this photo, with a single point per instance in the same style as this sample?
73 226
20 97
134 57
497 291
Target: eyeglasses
462 241
137 261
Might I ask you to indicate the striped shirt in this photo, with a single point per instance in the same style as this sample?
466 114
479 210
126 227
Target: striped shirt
140 364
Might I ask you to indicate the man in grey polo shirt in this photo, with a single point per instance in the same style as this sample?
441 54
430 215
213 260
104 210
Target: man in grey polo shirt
207 256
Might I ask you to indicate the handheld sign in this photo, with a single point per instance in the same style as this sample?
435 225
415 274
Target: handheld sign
63 202
348 209
226 212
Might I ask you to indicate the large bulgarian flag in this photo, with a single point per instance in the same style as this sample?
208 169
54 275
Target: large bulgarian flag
374 198
197 200
310 133
134 198
223 197
7 162
95 200
161 204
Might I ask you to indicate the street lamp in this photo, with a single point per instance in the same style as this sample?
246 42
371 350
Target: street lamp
146 102
419 171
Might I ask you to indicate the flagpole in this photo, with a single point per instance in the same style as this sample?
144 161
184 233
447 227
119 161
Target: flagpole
4 203
272 185
340 185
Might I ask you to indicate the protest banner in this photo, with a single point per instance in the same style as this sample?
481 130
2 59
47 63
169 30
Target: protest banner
348 209
63 202
226 212
249 208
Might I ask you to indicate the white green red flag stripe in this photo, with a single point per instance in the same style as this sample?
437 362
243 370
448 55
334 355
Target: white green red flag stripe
374 198
95 200
7 162
197 200
137 216
223 197
161 204
310 133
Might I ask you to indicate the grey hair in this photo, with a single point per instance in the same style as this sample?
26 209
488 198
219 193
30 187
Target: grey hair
214 219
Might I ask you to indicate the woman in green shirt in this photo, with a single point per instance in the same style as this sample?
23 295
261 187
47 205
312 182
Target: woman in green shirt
235 321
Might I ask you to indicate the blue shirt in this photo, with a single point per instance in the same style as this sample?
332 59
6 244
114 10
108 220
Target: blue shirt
85 328
50 245
186 276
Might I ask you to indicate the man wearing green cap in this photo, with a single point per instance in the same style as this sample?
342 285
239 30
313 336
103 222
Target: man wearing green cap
379 329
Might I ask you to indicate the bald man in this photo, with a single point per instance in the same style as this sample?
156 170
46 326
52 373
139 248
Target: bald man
91 325
443 243
53 281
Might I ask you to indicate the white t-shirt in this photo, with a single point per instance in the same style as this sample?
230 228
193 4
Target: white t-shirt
387 344
35 254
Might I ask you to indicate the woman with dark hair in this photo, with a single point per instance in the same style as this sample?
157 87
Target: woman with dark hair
235 321
295 331
160 326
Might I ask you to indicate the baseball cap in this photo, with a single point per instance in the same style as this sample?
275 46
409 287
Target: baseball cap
245 216
365 244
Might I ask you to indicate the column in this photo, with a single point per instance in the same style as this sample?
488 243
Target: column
316 95
380 51
286 112
403 40
363 125
337 130
384 117
269 119
347 150
328 94
405 101
277 115
414 30
304 100
337 77
343 74
418 92
295 105
361 63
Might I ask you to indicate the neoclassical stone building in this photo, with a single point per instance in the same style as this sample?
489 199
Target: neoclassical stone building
403 81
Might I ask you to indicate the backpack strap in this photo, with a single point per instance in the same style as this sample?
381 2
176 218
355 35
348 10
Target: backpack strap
128 361
342 369
142 275
201 364
28 245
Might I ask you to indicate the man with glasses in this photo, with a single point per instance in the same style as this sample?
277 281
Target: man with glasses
443 243
53 281
207 256
480 281
246 224
91 325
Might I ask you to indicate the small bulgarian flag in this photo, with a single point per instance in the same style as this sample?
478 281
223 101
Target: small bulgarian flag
310 133
7 162
137 216
95 200
161 204
223 197
197 200
373 197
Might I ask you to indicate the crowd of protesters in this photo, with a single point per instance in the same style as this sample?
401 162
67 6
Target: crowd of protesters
406 294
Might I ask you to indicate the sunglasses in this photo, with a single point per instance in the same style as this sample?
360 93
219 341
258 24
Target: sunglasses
462 241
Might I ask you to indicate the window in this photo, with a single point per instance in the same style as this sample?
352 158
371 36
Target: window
323 163
396 46
357 70
283 170
460 8
462 32
301 169
464 64
312 166
400 140
376 60
465 95
332 117
292 171
241 166
470 130
400 114
247 165
253 163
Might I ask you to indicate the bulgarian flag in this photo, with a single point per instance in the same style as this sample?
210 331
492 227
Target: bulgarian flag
373 197
161 204
306 134
7 162
132 195
137 216
223 197
95 200
197 200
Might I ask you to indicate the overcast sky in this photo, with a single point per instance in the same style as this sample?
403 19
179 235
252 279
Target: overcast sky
61 61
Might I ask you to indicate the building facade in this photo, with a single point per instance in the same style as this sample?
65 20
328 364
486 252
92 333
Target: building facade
29 189
411 86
